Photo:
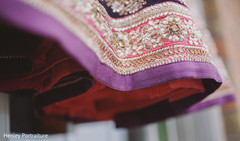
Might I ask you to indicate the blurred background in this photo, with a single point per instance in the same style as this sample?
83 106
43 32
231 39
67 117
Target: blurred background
218 123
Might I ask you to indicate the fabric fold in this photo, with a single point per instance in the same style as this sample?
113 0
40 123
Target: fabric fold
147 60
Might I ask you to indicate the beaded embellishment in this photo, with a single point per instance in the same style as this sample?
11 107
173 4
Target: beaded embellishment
159 34
124 7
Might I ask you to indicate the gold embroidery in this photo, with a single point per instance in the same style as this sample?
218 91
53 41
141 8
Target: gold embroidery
124 7
145 39
195 36
122 44
108 52
150 36
151 12
164 56
173 29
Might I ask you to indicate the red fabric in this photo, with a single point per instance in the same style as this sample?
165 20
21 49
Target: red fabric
50 65
102 102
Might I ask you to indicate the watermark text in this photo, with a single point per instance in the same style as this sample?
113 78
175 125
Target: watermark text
25 136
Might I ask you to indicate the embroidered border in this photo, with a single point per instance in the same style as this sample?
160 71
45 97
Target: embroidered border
90 30
125 7
153 11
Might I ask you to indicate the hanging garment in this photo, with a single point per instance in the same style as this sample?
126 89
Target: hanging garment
147 55
128 52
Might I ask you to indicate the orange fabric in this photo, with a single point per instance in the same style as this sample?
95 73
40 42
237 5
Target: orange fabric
50 65
102 102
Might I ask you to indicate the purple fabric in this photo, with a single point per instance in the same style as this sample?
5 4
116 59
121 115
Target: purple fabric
206 104
149 3
39 23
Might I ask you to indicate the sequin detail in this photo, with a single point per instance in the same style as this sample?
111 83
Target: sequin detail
125 7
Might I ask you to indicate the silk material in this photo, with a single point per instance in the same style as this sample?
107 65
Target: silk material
104 103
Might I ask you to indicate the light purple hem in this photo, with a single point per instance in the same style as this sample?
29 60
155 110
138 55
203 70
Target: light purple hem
32 20
218 101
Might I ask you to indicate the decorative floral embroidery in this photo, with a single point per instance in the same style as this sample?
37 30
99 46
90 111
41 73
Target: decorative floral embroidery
195 36
124 7
145 38
173 29
135 42
122 44
157 35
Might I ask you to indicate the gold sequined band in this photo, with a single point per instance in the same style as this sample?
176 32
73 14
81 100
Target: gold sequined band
145 15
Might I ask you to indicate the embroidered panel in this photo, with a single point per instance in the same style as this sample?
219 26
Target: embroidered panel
125 7
159 34
122 8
